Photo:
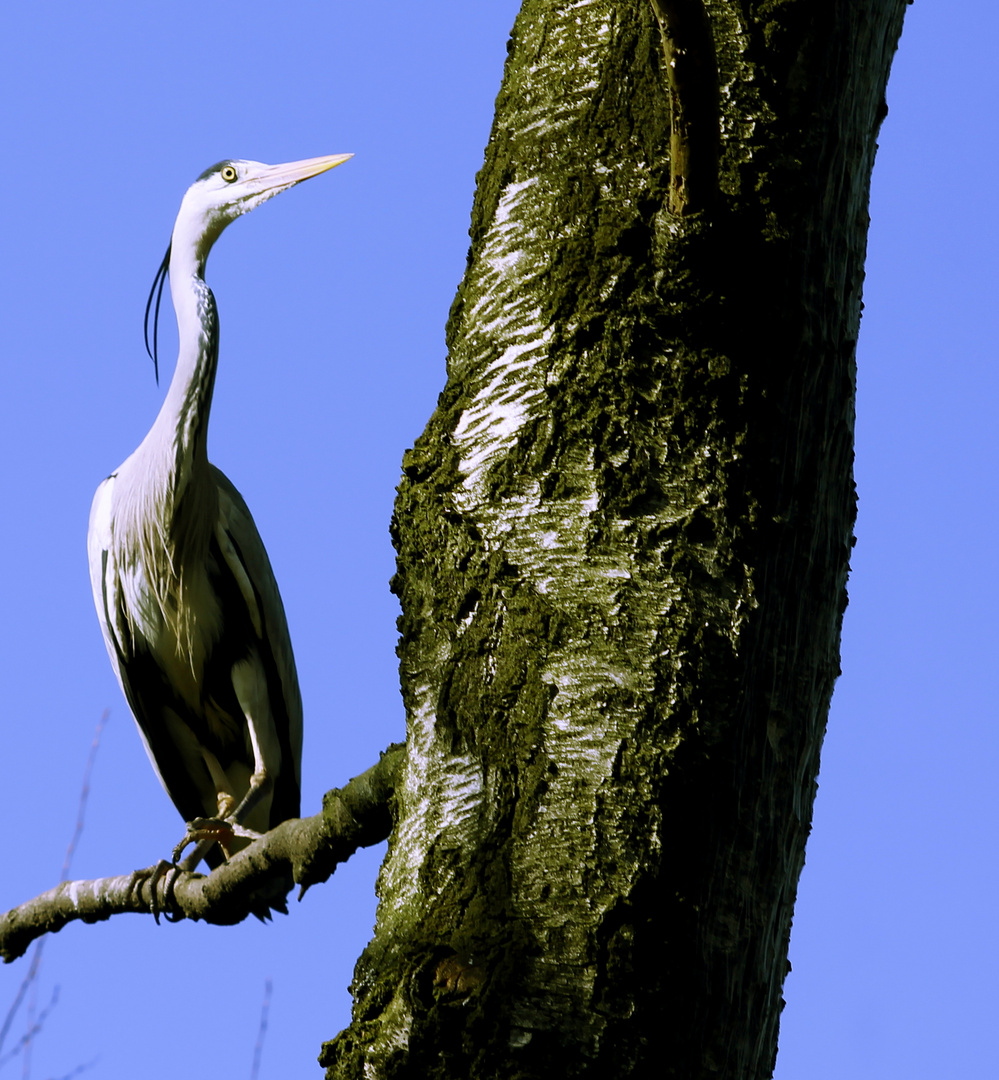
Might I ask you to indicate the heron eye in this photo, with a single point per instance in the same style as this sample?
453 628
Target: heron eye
228 174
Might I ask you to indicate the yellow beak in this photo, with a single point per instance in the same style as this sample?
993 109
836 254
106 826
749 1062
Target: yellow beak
274 178
279 177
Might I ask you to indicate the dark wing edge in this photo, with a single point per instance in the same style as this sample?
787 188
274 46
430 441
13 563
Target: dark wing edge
247 560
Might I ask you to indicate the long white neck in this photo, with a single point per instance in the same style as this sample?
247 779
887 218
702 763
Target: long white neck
181 428
177 486
166 498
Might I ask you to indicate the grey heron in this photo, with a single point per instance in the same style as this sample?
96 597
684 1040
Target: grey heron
191 614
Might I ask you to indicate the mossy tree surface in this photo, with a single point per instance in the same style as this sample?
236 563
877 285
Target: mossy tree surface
623 547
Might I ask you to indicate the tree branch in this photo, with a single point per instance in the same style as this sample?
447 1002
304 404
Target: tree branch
302 851
694 113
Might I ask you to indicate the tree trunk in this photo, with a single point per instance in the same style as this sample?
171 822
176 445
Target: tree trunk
623 548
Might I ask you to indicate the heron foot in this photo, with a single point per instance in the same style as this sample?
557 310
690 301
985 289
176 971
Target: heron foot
219 830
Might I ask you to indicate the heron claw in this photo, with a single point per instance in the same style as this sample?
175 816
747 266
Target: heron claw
153 874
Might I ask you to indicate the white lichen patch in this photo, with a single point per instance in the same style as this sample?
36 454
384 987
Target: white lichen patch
505 342
439 796
463 795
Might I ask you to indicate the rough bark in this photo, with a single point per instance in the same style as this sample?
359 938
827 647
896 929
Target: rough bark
623 547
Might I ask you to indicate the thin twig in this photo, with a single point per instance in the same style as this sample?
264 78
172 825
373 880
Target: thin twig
29 980
81 809
261 1030
23 1044
79 1069
19 996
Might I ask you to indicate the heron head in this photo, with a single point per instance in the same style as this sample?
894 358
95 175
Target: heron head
230 188
220 195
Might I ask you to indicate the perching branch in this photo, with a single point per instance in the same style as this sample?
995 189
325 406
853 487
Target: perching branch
695 131
302 851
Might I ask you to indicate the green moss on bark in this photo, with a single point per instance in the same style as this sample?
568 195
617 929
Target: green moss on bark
623 544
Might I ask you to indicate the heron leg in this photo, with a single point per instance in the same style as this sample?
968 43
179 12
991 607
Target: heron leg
205 832
261 785
249 681
250 685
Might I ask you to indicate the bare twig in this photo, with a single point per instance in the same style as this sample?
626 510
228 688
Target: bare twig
30 979
23 1044
81 810
302 851
261 1030
79 1069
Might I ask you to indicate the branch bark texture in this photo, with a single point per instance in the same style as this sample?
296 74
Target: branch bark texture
301 852
623 547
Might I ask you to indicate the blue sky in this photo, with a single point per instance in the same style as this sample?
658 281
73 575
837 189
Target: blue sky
111 112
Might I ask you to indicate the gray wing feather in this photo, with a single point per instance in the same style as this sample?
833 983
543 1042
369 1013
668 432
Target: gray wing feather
249 564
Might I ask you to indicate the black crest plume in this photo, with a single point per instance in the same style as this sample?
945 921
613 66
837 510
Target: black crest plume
157 290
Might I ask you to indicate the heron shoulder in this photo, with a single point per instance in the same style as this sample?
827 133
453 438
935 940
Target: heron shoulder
103 580
99 527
